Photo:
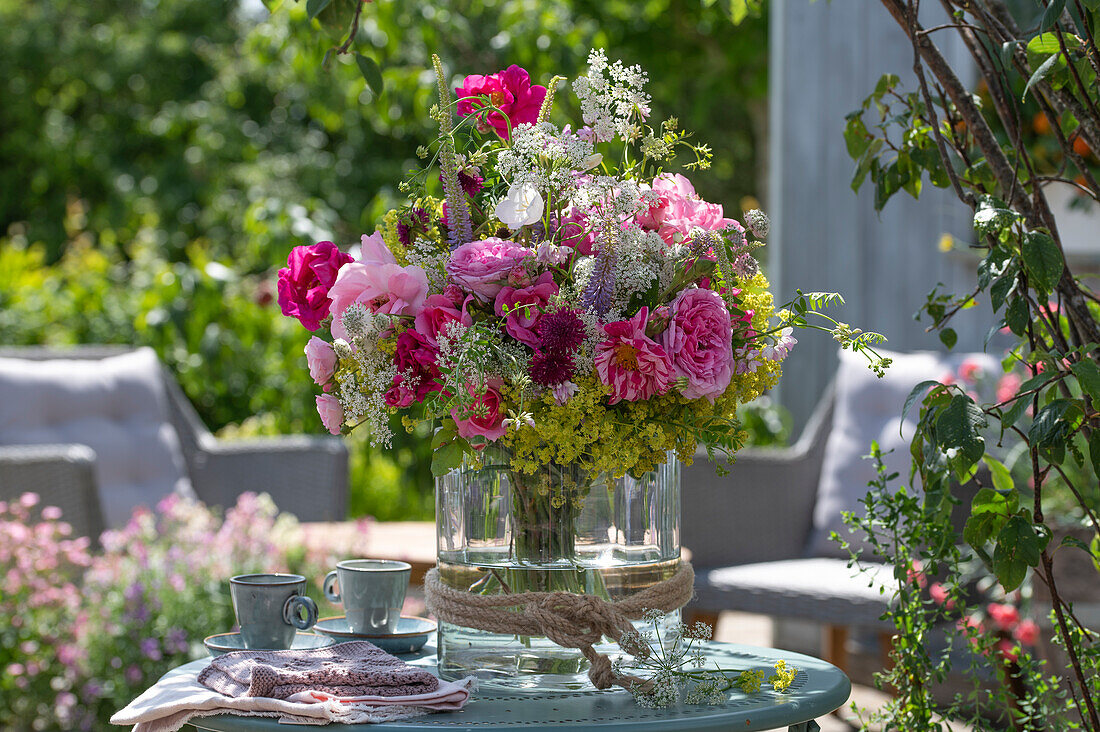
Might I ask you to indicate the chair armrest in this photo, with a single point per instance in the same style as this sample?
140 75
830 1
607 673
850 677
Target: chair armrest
62 476
762 511
306 476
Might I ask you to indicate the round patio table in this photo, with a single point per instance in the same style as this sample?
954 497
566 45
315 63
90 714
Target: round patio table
819 688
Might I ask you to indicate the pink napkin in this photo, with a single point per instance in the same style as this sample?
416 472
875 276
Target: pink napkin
171 702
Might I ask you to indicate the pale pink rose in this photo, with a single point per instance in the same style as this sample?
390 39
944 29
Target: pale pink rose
631 363
526 306
679 209
699 339
381 287
939 595
970 370
482 267
321 360
438 311
489 424
332 414
373 250
1027 632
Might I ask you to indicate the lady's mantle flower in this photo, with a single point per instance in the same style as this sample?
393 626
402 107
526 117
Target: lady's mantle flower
783 677
521 207
634 365
699 339
509 90
304 284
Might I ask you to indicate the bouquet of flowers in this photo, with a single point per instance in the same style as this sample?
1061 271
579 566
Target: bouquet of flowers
567 297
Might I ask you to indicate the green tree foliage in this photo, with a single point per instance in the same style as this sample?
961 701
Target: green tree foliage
158 161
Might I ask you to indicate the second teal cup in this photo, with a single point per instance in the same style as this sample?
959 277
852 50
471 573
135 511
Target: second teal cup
372 592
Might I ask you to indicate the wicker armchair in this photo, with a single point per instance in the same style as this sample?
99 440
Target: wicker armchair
305 475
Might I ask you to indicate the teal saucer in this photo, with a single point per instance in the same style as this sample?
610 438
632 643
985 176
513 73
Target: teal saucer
226 642
410 636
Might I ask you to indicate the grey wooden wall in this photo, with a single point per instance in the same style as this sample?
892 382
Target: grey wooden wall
825 59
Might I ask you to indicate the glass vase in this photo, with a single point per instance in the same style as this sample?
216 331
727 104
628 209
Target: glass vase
560 529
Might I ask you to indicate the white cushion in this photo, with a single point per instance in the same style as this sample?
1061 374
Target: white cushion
869 409
117 406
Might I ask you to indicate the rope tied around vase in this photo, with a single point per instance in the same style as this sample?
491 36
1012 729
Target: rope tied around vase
566 618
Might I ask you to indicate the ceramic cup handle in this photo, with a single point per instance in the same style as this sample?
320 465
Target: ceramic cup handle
329 587
292 612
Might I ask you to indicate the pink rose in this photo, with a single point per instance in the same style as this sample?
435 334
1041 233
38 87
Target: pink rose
699 339
680 209
438 311
400 394
939 594
577 232
1007 649
1027 632
332 414
382 286
630 362
373 250
304 285
1004 616
1008 386
510 91
321 359
482 267
415 356
483 418
526 306
970 370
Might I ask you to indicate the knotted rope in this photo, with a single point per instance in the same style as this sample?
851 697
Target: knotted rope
568 619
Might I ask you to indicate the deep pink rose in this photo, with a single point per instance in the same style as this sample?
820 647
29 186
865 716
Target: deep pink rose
321 360
438 311
634 365
483 418
400 394
509 90
526 306
378 282
416 357
304 284
332 414
699 338
577 232
1004 616
1027 632
482 267
680 209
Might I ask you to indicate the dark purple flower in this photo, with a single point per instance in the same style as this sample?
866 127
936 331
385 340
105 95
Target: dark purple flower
550 368
561 330
471 181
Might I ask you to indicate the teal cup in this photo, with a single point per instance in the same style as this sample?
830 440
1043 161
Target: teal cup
372 592
270 608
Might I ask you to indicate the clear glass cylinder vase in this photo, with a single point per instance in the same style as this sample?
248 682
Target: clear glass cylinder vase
560 529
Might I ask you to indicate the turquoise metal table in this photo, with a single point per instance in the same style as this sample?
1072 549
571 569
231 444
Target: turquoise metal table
818 689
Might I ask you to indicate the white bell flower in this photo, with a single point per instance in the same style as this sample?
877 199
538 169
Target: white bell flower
522 206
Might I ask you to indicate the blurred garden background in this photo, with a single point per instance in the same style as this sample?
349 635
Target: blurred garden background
159 160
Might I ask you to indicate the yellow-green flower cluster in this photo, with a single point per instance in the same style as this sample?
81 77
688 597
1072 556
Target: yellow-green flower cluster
783 677
388 228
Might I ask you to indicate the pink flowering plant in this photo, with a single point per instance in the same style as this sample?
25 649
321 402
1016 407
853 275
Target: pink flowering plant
560 291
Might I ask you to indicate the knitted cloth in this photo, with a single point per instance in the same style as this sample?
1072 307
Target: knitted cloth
357 668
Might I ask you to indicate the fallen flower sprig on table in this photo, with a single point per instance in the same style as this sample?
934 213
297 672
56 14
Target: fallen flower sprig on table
678 667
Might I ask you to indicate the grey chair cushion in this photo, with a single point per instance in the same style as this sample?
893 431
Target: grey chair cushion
821 589
117 406
869 409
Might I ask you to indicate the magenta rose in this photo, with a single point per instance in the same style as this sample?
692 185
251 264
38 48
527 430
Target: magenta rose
416 357
577 232
400 394
699 338
438 311
525 306
378 282
634 365
304 284
483 418
482 267
680 209
509 90
332 414
321 360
